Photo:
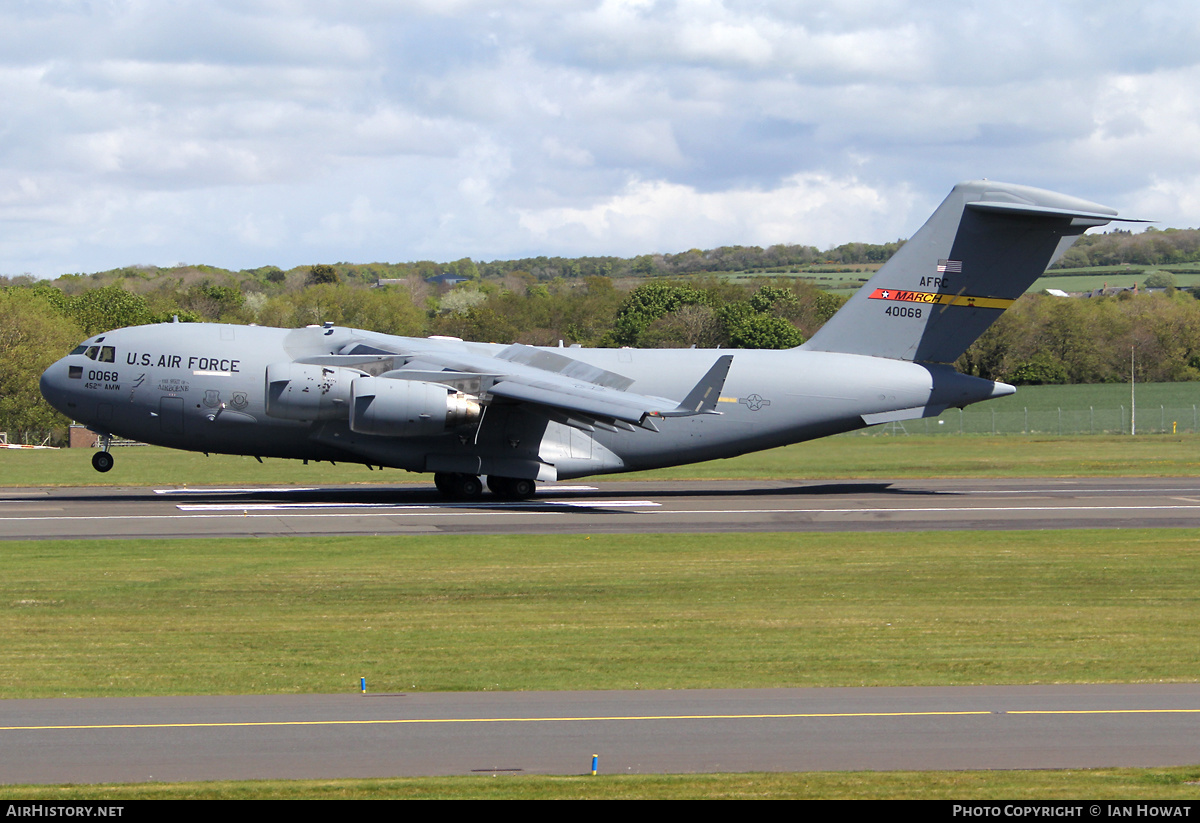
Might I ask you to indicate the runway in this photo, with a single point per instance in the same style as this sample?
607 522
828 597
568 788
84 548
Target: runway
321 736
599 508
199 738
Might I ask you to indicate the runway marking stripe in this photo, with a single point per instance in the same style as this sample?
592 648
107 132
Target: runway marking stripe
271 490
201 507
496 510
563 488
1104 711
1128 490
487 720
1099 507
582 719
249 490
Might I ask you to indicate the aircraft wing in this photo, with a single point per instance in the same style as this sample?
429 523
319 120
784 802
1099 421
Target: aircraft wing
567 390
602 402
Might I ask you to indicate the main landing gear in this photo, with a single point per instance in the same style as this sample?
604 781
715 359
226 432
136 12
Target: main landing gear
512 488
469 487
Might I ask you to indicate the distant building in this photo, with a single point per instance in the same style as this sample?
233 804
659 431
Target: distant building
447 279
1108 291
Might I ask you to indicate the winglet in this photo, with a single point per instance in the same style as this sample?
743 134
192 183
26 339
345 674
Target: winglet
702 399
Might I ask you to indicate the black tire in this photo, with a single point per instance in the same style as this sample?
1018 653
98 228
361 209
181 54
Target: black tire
467 487
445 483
523 489
512 488
102 461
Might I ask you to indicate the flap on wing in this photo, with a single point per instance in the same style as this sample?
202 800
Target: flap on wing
601 402
561 364
595 401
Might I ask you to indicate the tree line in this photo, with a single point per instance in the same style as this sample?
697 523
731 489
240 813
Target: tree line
1049 340
1039 340
1152 247
44 321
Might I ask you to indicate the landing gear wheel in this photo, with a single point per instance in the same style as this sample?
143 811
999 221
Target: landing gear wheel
467 487
512 488
523 489
102 461
445 483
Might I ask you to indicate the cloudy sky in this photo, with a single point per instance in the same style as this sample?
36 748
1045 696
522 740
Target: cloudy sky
285 132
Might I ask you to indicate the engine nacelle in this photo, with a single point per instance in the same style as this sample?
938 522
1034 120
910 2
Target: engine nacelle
299 391
408 408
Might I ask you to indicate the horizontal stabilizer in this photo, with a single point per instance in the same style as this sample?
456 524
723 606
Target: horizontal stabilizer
1077 216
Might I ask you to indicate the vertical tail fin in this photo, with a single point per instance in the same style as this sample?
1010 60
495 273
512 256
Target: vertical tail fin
981 249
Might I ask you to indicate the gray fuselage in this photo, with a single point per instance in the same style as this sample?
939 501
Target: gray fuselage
203 387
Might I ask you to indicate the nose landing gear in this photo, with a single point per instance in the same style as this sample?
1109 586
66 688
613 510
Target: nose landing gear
102 460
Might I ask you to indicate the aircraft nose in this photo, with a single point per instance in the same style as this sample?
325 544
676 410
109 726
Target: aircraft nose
53 386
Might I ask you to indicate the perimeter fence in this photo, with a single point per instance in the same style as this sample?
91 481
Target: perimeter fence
1148 420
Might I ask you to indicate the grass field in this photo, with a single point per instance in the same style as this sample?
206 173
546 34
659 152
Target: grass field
1096 395
1187 275
439 613
845 457
1096 784
835 277
108 618
113 618
1103 408
848 278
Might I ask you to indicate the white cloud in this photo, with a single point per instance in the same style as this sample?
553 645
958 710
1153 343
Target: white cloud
351 225
306 130
660 216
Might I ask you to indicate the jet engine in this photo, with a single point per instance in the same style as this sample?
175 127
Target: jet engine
408 408
299 391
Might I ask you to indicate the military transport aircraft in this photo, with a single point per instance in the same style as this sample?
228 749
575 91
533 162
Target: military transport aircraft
518 414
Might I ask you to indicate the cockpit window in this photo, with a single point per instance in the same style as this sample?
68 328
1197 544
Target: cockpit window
104 354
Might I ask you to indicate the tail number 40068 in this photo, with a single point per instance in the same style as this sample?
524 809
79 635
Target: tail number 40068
903 311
